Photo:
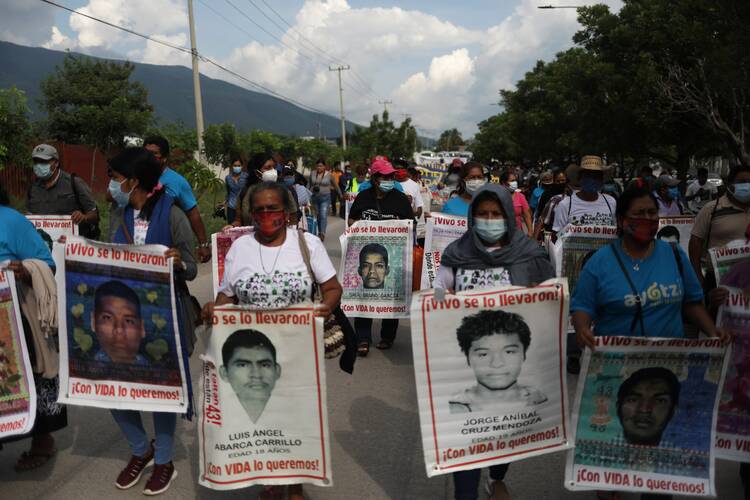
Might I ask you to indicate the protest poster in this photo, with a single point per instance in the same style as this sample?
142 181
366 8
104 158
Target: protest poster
575 245
51 227
348 202
120 344
676 229
733 423
263 410
731 262
220 244
17 390
376 269
490 373
644 417
440 231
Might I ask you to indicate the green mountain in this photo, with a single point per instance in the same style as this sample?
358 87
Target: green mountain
170 91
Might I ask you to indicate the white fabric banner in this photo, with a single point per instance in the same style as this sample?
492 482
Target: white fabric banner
441 231
376 269
263 412
17 390
120 345
644 417
733 424
490 373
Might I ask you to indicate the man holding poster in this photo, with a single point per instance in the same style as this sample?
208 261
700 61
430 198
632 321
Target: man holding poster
394 234
250 426
500 379
644 416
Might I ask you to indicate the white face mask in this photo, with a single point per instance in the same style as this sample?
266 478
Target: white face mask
270 175
513 185
473 185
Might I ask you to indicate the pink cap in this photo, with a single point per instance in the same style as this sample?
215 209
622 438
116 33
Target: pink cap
381 166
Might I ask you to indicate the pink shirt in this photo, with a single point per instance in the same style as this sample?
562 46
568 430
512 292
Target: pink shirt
520 205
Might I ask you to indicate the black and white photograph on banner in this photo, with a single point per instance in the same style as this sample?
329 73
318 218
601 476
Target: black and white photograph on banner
263 370
489 367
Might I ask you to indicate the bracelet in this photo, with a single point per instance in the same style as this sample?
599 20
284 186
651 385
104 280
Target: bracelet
205 244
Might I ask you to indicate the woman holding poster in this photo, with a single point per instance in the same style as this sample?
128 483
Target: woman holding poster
145 214
268 270
638 286
21 244
493 252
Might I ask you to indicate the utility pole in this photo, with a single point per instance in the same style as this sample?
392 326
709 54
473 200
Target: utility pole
196 83
385 104
340 68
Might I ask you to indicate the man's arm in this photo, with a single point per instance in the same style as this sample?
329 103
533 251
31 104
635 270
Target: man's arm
204 246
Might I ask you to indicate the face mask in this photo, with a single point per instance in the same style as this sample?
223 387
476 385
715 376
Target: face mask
513 185
742 192
674 193
557 188
269 176
473 185
669 239
43 170
490 230
115 190
237 170
289 181
589 185
702 182
641 230
452 179
268 223
386 186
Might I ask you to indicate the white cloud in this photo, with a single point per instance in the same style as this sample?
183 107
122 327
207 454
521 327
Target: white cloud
58 41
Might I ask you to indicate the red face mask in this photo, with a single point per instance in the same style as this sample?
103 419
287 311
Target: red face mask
641 230
268 223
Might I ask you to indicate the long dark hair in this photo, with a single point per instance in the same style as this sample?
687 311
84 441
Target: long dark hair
140 164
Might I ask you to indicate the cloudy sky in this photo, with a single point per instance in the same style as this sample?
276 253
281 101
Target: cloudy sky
441 61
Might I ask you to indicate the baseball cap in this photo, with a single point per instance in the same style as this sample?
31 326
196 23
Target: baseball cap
381 166
45 152
546 177
666 180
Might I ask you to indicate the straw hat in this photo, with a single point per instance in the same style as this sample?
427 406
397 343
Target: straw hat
591 162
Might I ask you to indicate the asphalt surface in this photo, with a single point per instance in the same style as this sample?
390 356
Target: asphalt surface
375 442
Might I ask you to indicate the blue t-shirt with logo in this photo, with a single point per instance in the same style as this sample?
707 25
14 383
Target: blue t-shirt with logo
604 293
178 188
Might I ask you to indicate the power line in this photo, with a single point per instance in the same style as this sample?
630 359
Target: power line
188 51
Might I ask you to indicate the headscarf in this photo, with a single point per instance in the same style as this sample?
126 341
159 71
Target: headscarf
525 260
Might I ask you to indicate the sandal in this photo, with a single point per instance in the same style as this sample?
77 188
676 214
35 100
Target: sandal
384 345
363 349
33 459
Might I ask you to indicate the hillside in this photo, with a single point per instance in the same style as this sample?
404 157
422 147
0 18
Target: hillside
170 91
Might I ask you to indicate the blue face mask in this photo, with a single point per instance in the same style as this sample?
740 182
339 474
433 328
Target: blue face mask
674 192
289 181
591 185
490 230
115 189
237 170
742 192
386 186
43 170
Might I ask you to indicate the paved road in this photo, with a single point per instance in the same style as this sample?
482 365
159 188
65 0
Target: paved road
376 448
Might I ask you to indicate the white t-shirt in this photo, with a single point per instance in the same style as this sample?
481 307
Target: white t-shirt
709 193
413 190
140 228
267 286
585 213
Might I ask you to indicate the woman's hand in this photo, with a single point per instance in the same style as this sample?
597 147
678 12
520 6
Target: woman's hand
175 254
717 297
585 338
19 272
207 313
323 310
726 336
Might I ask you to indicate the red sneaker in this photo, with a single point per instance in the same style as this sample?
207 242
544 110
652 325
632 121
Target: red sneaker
160 479
131 474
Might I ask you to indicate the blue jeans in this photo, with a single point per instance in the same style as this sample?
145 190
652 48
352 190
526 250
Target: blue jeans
466 482
321 204
363 326
164 426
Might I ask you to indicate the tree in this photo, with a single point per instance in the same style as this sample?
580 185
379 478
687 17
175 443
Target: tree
221 143
449 140
94 102
183 141
382 137
15 136
494 141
